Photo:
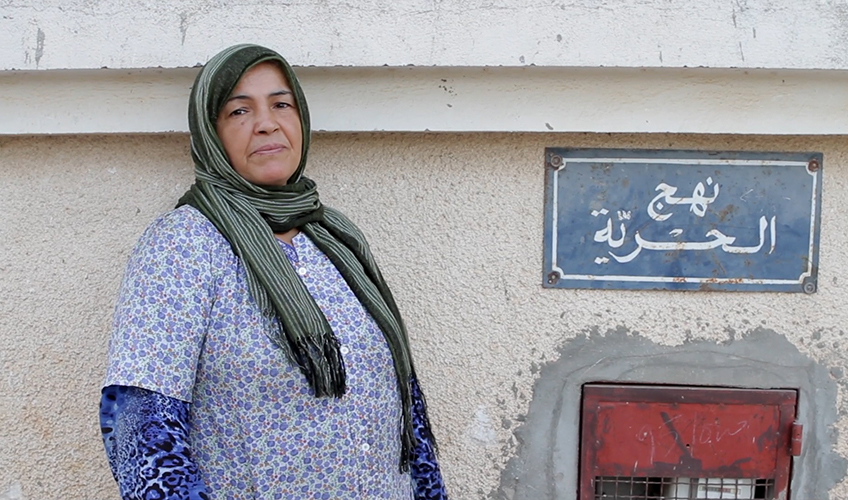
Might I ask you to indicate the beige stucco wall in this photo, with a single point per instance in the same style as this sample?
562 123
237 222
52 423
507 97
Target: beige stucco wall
456 222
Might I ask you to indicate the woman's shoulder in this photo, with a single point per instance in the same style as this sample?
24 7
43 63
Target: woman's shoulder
183 222
184 227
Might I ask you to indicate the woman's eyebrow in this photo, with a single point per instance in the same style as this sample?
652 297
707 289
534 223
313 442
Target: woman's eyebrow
243 97
239 97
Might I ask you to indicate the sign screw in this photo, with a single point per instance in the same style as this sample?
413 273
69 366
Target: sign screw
556 161
809 287
813 165
553 277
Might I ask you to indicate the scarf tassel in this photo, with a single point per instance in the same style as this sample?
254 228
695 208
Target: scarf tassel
323 366
407 443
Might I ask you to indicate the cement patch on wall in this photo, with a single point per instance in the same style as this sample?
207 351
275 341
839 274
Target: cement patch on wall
546 463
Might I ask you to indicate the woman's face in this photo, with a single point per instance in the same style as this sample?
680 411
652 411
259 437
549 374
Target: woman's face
259 127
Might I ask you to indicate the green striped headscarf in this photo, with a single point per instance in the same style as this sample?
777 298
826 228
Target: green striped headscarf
248 215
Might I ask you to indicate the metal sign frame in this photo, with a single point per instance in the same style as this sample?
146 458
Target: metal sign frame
594 176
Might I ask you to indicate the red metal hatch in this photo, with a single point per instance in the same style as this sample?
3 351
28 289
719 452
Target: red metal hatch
672 443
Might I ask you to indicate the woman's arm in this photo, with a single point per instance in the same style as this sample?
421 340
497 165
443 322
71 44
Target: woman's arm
424 467
146 440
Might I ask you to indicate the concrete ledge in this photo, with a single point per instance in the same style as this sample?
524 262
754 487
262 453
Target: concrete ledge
415 99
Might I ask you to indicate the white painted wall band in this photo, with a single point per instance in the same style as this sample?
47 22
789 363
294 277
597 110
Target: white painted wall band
90 34
614 100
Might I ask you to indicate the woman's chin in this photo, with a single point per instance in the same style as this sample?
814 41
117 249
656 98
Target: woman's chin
270 177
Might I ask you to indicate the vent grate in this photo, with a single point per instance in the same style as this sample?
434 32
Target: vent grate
682 488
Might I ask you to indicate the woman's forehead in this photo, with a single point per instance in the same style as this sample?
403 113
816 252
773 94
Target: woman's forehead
260 77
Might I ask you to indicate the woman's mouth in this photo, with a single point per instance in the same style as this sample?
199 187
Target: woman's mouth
269 149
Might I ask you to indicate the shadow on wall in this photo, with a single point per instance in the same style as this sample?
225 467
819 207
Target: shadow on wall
546 462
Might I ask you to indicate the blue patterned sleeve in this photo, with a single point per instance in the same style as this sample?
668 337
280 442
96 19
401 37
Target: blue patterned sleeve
146 440
424 467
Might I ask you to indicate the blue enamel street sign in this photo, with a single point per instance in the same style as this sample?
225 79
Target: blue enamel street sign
682 220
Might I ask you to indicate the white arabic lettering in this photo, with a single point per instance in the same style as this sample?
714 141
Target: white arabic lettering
763 225
718 240
773 235
605 234
698 205
697 202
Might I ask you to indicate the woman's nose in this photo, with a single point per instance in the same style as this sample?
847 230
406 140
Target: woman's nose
265 123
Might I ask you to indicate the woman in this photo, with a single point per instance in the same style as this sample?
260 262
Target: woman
257 351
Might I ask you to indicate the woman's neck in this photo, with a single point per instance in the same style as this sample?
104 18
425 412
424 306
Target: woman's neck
288 235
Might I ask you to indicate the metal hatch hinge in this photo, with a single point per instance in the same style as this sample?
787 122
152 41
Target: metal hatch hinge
795 439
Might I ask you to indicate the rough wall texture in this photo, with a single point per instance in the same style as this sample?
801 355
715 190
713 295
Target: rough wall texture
456 222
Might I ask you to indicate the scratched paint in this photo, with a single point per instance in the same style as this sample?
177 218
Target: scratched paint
39 46
647 431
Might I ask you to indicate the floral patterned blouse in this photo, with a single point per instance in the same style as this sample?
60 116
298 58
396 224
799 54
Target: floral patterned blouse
187 331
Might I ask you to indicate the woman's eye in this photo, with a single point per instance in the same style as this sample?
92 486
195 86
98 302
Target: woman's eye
239 111
282 105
